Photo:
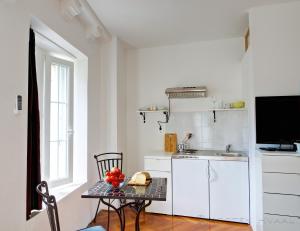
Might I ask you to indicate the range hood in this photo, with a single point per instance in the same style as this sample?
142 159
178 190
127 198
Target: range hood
186 92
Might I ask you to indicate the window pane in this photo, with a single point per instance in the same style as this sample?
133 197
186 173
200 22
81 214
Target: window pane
53 160
63 160
63 84
54 82
54 122
62 122
58 119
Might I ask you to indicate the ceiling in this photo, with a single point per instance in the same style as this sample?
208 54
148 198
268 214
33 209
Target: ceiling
148 23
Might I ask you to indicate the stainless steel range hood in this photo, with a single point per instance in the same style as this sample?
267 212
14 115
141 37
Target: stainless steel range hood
186 92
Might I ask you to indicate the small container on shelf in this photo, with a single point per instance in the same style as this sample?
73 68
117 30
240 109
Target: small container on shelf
238 104
152 108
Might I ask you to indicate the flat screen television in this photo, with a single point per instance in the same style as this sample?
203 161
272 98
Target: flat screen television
277 119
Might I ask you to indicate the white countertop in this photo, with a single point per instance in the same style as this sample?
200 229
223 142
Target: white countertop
201 154
160 155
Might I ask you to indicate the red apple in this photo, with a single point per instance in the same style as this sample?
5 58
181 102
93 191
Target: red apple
121 177
108 179
115 171
115 184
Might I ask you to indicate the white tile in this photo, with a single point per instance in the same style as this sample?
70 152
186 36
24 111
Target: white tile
230 128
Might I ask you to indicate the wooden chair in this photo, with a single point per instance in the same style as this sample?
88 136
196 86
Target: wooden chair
105 162
52 211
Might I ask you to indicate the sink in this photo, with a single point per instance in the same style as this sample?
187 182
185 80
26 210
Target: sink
229 154
190 151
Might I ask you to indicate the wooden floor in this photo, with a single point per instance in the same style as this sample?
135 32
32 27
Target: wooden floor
155 222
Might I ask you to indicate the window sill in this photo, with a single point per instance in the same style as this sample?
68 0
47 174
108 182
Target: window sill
62 191
59 192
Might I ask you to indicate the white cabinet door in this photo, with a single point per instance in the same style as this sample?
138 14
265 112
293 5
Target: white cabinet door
229 191
286 205
157 164
164 207
281 164
190 188
281 223
281 183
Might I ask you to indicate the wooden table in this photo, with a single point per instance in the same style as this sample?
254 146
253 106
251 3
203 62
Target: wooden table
137 197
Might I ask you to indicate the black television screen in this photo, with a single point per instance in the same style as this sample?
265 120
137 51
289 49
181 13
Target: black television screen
277 119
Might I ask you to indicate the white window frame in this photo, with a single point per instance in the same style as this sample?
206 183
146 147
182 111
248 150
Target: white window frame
49 60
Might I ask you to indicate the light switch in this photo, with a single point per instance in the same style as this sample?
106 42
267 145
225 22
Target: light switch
18 104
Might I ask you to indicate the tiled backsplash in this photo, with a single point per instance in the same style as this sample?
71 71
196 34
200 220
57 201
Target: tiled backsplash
231 127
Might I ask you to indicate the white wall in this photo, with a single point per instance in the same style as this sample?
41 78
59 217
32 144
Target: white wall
14 20
214 64
113 94
275 36
275 58
247 73
121 100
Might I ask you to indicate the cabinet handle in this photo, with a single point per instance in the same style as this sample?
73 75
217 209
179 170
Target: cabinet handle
213 174
207 172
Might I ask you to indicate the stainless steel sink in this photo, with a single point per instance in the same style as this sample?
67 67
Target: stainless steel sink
229 154
190 151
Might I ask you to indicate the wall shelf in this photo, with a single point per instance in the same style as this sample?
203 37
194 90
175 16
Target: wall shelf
164 111
210 109
152 111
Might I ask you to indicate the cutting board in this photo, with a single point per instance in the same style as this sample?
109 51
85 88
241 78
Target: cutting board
170 142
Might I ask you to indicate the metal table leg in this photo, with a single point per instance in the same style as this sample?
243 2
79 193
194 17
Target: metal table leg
96 213
119 212
142 206
139 205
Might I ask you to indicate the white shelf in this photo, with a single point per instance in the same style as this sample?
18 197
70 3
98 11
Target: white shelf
228 109
152 111
166 112
163 111
200 110
211 109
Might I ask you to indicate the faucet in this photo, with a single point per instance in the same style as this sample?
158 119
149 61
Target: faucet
183 145
228 146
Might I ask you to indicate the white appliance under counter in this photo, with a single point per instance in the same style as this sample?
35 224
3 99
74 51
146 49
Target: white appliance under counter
203 185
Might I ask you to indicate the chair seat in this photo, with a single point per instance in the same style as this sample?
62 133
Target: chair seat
94 228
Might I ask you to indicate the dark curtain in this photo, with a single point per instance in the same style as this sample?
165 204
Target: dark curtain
33 201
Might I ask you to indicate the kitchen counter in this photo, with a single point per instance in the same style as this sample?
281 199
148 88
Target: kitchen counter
200 154
160 155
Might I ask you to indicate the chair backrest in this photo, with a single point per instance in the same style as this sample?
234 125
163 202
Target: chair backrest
106 161
51 206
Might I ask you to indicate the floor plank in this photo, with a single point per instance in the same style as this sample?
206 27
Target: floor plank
156 222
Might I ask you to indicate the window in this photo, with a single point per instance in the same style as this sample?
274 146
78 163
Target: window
58 121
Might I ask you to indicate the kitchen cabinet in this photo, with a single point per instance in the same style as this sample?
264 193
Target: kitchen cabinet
287 205
160 166
229 191
163 207
190 188
281 223
202 186
281 191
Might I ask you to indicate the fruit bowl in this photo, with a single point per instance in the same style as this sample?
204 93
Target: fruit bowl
114 177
